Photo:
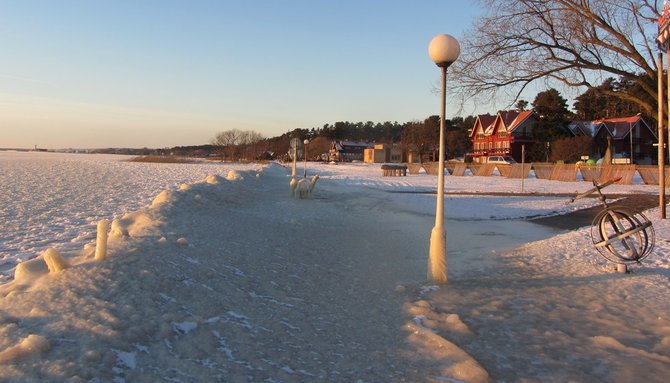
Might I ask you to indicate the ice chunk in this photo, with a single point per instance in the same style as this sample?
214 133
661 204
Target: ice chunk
139 223
125 359
233 175
32 344
162 197
28 271
182 241
54 260
117 231
184 327
212 179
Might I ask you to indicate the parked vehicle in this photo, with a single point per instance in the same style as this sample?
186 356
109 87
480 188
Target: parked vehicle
500 160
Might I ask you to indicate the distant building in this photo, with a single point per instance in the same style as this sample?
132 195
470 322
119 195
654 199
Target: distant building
347 151
383 153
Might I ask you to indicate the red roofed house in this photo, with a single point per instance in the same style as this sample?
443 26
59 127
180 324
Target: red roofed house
502 134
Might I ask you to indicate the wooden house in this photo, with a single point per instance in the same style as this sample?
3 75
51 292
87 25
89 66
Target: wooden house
627 135
502 134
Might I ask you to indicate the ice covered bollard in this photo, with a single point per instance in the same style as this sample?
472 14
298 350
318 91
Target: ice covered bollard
101 240
293 184
54 260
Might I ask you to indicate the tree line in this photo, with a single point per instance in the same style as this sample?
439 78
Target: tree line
422 137
419 136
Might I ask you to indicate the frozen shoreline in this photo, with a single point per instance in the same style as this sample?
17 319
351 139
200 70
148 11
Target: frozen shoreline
231 279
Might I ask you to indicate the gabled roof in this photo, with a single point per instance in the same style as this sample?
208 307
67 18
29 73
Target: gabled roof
502 119
619 128
519 119
505 119
584 128
507 116
483 122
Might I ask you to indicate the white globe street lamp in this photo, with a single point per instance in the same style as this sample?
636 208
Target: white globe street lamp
443 50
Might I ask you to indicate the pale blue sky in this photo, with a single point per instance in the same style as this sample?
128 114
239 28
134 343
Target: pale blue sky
160 73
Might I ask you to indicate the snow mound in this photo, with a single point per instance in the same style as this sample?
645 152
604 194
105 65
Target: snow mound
457 364
139 223
234 175
450 324
213 179
33 344
164 197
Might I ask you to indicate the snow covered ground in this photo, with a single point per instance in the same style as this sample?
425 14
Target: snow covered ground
224 277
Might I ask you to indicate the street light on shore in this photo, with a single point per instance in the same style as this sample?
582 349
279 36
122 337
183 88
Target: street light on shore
443 50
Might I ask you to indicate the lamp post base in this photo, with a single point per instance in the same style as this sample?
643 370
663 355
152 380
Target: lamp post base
437 258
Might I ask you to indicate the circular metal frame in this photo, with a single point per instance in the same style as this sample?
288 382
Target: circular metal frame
622 237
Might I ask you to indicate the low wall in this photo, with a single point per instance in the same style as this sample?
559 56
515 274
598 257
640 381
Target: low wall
554 172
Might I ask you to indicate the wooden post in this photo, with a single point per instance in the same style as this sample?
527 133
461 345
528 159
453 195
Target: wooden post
661 139
523 167
661 133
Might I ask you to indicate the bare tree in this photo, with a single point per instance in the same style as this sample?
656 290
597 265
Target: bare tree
573 42
248 144
226 142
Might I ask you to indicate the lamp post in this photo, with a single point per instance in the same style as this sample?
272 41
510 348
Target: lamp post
443 50
294 153
305 142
